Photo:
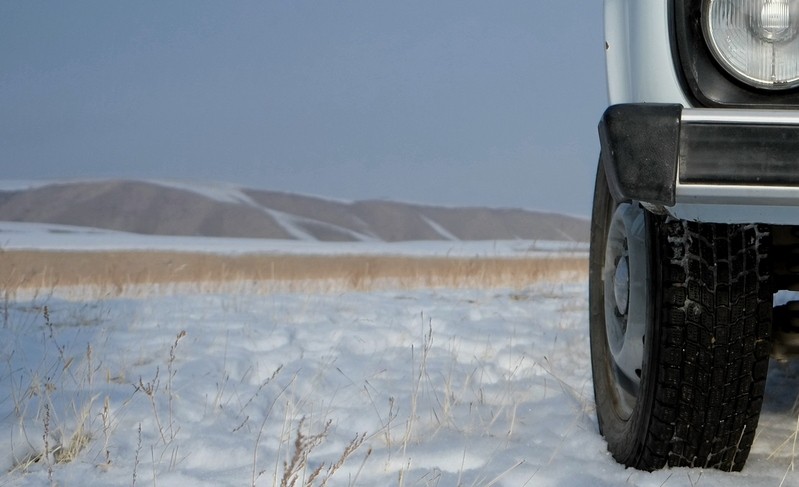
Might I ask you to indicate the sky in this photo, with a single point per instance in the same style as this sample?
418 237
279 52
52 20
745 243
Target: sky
451 102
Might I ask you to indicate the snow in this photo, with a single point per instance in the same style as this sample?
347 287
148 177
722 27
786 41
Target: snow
231 193
471 387
439 229
217 191
41 236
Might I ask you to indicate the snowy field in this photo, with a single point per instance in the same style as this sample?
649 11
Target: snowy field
25 236
405 387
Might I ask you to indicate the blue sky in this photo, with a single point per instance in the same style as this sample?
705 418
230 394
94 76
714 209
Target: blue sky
441 102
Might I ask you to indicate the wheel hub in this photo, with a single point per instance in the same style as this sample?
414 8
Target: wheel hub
627 300
621 285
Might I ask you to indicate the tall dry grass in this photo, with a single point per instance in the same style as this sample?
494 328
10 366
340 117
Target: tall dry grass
115 273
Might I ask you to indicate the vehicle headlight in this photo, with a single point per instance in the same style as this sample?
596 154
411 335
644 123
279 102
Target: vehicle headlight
756 41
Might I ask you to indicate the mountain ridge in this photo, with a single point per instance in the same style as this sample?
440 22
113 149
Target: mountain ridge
227 210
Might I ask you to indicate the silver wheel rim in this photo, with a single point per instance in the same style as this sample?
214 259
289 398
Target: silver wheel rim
626 297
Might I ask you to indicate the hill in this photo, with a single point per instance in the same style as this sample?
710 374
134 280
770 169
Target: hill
219 210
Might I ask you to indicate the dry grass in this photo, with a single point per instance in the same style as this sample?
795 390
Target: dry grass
116 272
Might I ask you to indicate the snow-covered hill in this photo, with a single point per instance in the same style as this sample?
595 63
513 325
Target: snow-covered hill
222 210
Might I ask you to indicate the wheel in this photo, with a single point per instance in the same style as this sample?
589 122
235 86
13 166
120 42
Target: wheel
680 317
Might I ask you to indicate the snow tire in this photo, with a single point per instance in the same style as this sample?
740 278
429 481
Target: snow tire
696 398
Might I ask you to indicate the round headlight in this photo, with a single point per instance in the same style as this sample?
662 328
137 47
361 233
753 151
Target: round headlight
757 41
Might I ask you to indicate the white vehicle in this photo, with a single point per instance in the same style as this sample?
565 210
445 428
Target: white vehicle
695 225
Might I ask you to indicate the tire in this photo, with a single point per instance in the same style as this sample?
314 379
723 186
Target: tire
680 318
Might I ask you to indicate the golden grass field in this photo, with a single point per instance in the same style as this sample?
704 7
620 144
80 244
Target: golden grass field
120 270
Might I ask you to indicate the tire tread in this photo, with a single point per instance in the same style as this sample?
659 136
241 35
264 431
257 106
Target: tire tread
714 341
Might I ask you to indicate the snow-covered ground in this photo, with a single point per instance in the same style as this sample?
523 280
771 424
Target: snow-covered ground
42 236
469 387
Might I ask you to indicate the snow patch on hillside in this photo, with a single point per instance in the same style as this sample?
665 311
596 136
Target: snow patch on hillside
217 191
439 229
